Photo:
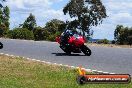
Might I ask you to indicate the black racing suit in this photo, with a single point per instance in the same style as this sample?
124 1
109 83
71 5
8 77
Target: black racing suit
65 36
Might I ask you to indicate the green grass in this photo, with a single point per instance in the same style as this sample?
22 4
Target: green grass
20 73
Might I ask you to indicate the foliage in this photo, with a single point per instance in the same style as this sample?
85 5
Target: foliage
1 32
123 35
6 12
113 42
20 33
104 41
87 13
30 23
4 20
51 38
130 40
40 33
54 28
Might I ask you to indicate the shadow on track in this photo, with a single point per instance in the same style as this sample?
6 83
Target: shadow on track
64 54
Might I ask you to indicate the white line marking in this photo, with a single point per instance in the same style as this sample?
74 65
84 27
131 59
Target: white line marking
43 61
112 73
88 70
55 63
1 53
48 62
66 65
60 64
17 56
12 55
72 66
94 70
6 54
100 71
106 72
38 60
32 59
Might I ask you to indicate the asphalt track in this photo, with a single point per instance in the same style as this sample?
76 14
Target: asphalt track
114 60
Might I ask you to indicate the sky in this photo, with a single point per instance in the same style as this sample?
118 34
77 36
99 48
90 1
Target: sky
118 11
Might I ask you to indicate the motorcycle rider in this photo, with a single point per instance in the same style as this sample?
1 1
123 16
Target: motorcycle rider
65 36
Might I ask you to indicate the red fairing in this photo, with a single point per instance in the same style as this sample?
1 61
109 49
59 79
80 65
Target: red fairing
79 41
57 39
71 39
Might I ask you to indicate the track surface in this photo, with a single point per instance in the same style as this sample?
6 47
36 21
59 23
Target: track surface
114 60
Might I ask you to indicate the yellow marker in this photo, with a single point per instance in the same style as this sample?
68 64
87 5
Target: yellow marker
81 71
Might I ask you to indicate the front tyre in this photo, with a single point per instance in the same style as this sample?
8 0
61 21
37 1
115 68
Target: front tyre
66 49
68 52
86 50
1 45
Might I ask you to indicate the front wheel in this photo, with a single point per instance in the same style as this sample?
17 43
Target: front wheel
86 50
1 45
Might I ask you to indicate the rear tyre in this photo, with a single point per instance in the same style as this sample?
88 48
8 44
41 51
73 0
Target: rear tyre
86 50
1 45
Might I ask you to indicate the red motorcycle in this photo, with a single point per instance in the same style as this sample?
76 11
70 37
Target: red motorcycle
73 43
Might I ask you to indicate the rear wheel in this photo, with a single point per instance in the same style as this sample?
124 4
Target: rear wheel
1 45
86 50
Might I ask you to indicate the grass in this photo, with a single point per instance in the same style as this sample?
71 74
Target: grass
21 73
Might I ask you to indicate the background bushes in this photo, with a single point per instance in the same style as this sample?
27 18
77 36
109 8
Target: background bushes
123 35
103 41
20 33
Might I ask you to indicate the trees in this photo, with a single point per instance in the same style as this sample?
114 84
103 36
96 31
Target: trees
4 19
130 40
30 23
117 32
40 33
104 41
123 35
20 33
87 13
54 28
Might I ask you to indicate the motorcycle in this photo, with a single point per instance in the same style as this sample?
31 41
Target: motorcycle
74 43
1 45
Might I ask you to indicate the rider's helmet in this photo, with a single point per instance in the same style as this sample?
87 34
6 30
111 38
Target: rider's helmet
67 33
